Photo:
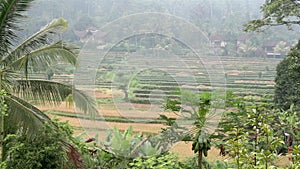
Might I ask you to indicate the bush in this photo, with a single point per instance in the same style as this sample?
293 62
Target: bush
192 163
166 161
43 151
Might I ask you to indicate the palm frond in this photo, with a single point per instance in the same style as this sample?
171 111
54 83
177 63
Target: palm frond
24 115
45 36
41 91
10 15
46 56
85 103
8 79
49 92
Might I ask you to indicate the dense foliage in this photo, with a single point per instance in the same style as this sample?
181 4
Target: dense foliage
19 57
46 150
167 161
255 141
277 12
287 81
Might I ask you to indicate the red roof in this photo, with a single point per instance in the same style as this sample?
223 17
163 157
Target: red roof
243 37
270 43
217 37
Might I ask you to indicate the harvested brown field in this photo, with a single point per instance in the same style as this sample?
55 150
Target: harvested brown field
103 125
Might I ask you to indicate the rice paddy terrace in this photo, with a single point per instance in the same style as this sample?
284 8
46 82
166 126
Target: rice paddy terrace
244 76
148 77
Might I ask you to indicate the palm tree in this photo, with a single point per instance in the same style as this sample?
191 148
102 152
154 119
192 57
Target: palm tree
17 59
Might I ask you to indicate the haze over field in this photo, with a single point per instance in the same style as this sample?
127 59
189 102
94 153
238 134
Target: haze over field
214 17
146 83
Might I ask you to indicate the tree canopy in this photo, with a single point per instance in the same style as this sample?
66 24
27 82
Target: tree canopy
275 13
287 80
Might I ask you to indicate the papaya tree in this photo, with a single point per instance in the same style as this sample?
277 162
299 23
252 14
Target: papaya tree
192 108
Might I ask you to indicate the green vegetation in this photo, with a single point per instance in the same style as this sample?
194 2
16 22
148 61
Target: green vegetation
46 150
275 13
255 140
248 131
168 161
254 137
130 145
287 79
106 118
254 131
19 58
192 108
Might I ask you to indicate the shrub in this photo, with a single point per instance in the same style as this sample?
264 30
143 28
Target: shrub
287 81
165 161
43 151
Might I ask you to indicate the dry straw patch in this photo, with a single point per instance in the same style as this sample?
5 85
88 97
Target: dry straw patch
104 125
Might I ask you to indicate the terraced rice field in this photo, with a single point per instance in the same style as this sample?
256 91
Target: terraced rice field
244 76
149 79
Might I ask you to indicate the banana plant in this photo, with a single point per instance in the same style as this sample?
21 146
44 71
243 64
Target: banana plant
128 145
